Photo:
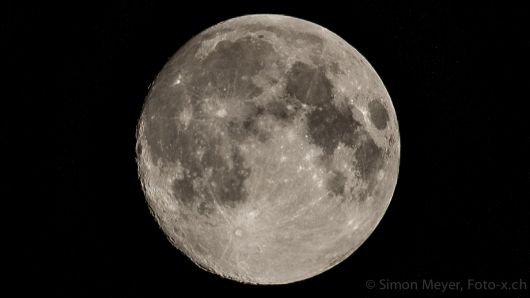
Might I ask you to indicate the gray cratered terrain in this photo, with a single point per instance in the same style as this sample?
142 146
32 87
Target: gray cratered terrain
268 149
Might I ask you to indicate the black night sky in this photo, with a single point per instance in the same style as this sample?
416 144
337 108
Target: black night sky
81 73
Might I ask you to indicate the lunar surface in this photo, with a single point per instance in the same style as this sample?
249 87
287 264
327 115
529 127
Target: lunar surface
268 149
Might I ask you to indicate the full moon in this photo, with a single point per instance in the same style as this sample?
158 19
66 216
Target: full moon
268 149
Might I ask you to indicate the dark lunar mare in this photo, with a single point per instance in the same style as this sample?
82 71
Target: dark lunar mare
336 183
328 126
219 75
378 114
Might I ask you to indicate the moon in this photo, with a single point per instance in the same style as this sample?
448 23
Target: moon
268 149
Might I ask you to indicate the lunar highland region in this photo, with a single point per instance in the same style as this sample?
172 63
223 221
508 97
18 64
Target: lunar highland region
268 149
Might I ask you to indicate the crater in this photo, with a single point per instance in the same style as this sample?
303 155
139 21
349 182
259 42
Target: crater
139 147
205 208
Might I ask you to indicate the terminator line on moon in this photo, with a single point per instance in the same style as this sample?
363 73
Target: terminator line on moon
268 149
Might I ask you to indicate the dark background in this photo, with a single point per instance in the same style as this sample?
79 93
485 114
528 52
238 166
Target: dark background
80 74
